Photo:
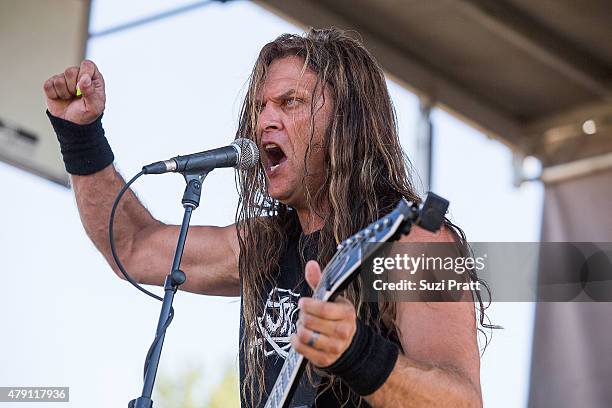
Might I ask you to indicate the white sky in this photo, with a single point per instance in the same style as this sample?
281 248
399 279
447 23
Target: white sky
174 87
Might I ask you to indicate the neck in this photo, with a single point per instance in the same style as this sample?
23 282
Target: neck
309 220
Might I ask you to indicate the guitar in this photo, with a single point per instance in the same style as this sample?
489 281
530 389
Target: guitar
343 268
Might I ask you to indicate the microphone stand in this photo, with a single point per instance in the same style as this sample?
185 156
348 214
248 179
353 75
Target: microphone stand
190 201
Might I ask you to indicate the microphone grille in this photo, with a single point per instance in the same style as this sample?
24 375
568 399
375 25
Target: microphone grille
248 153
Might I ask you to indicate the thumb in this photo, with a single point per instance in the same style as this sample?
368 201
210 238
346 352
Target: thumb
86 86
313 274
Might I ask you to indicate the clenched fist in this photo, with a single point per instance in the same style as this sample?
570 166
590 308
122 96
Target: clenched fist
62 99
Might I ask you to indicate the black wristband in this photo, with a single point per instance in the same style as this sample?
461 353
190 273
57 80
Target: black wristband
368 361
84 148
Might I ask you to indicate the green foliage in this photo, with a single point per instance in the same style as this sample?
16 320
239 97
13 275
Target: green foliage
181 390
226 393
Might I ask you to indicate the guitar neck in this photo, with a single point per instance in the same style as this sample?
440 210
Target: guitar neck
287 381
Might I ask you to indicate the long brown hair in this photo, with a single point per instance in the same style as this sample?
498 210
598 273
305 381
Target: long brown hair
367 173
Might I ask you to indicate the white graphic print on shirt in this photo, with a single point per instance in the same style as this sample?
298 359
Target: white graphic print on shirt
278 322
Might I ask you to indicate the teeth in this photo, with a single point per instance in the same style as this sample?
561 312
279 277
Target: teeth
270 146
274 167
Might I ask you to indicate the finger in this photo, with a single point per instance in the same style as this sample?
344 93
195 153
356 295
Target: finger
326 310
59 83
320 358
50 89
331 328
71 75
320 342
313 274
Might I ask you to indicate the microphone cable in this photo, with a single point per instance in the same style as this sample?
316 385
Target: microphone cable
127 275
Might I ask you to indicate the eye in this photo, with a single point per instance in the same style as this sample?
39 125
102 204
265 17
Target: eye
292 102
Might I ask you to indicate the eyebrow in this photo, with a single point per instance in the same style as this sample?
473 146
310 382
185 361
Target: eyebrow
285 95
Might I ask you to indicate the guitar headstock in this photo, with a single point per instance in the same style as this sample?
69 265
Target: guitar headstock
353 251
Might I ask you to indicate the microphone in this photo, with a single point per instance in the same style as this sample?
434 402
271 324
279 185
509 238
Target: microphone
241 154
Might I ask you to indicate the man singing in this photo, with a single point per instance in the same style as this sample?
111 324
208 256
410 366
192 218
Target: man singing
331 163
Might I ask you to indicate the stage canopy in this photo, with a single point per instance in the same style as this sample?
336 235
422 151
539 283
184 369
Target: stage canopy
37 39
537 75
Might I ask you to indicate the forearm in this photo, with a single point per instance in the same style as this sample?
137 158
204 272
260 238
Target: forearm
95 194
418 384
145 246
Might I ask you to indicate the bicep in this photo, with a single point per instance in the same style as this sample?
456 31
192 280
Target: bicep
210 258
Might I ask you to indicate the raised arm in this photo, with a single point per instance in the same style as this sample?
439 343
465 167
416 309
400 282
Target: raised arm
145 245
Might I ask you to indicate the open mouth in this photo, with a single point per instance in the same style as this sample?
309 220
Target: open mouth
275 156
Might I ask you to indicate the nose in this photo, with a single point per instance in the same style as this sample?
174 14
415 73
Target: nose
269 119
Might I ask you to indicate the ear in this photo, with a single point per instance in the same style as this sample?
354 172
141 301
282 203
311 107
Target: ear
313 274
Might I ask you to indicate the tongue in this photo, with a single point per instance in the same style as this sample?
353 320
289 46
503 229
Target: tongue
276 156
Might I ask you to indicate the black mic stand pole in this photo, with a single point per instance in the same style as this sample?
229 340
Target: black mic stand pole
190 201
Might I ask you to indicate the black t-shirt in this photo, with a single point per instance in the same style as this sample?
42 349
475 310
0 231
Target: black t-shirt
278 321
